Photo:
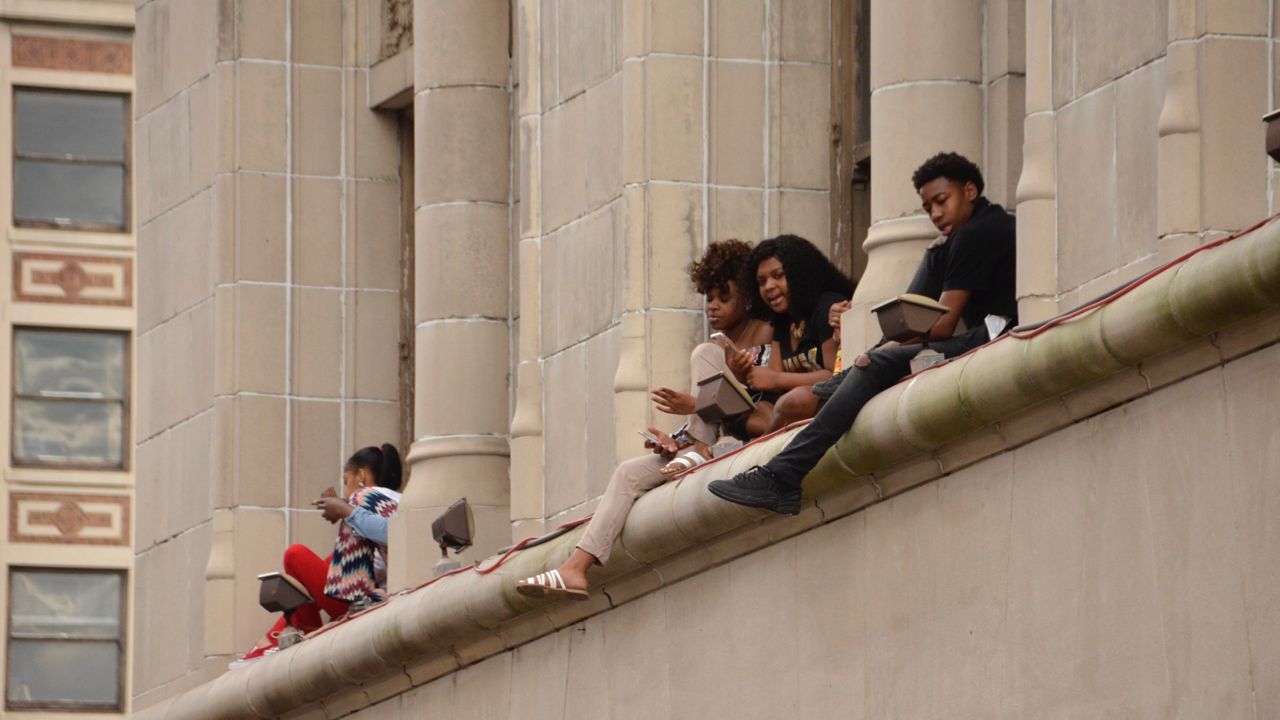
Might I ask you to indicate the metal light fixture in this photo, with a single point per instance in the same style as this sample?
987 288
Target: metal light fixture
1272 119
278 592
454 530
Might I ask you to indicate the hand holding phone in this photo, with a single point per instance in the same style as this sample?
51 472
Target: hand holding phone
723 341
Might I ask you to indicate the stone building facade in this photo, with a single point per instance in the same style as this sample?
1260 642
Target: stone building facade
67 356
463 226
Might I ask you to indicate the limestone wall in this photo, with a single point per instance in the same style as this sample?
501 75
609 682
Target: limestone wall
1157 106
1101 571
269 278
646 129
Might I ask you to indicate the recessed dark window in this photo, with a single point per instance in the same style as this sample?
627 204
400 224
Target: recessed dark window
65 639
70 399
71 159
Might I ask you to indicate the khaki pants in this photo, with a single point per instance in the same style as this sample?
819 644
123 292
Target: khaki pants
706 360
638 476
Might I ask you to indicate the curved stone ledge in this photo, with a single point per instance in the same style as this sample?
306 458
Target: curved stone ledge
1004 395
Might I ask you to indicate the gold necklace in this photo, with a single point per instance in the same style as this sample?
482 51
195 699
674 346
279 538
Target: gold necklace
797 332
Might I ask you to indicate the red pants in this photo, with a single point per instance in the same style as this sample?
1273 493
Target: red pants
307 568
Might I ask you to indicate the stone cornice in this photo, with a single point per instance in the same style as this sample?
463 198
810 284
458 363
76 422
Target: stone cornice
1215 306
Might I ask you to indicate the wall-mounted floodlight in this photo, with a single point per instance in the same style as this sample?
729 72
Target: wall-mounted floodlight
454 529
1272 119
278 592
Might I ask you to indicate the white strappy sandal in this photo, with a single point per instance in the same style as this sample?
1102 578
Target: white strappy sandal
682 463
549 584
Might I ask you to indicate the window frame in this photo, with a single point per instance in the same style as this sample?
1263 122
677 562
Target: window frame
126 189
125 401
63 705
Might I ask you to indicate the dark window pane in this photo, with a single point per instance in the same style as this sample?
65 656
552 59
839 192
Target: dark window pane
68 194
80 125
55 363
44 671
65 604
69 432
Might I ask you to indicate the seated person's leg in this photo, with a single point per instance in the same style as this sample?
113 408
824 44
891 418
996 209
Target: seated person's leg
311 570
706 360
776 485
632 479
758 422
837 415
798 404
307 568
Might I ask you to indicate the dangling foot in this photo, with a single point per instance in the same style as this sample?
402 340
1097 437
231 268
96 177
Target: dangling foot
549 584
758 488
254 655
688 460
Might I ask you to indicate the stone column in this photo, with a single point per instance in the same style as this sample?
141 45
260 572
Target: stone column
1212 167
462 207
1038 183
926 97
527 485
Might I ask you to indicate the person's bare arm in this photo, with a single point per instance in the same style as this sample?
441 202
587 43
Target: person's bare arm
770 380
774 379
955 300
828 351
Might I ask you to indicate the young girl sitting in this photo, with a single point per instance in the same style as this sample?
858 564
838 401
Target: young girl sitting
716 276
796 286
789 281
356 571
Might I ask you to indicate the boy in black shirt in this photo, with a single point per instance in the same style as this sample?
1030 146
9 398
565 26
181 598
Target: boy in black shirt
970 269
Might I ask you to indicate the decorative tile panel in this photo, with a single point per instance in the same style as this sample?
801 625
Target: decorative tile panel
72 279
55 53
69 519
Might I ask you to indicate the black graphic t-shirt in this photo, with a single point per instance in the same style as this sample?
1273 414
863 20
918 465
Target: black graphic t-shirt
801 340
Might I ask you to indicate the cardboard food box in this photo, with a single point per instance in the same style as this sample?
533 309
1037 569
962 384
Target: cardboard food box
909 316
722 396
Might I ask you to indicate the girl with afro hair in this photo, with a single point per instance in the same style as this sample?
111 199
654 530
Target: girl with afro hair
790 283
747 342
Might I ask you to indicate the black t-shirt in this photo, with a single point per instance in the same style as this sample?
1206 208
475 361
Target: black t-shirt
980 258
805 355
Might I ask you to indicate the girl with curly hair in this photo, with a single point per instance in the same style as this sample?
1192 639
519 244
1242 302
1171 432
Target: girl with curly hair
716 276
747 340
791 283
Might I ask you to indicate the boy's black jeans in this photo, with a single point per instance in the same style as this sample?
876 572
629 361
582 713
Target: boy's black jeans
859 386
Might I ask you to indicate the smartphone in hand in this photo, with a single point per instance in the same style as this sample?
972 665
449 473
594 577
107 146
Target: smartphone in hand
650 437
723 340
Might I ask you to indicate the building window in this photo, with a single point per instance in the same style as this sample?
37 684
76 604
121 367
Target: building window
70 159
65 639
70 400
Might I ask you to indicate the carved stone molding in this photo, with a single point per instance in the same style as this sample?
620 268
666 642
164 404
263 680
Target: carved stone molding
68 519
397 26
54 53
72 279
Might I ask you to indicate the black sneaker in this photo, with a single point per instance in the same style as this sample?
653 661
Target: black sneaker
758 488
